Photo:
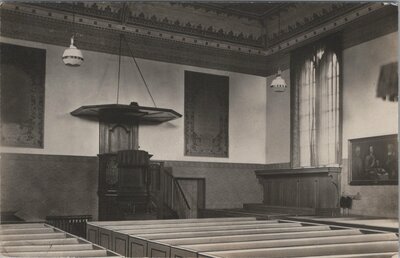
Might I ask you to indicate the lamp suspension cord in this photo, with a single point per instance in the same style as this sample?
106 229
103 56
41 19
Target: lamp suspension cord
140 71
119 65
73 19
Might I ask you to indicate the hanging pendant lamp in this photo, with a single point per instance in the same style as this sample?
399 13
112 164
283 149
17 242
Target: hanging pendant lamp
278 84
72 56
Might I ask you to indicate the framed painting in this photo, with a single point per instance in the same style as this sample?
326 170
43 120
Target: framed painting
373 160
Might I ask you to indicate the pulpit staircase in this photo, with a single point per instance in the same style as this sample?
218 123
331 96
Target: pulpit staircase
166 193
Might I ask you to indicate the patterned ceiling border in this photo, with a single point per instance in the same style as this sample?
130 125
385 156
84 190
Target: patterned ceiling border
316 32
213 7
302 24
148 44
25 26
128 28
165 24
331 26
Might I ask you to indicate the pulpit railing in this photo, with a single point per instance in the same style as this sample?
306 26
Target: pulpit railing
167 192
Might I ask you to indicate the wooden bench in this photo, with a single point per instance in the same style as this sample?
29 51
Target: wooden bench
40 240
257 237
194 249
31 242
32 236
115 238
80 253
371 255
142 245
22 225
47 248
96 230
120 239
248 238
26 231
309 250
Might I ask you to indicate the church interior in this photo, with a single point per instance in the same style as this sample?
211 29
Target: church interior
199 129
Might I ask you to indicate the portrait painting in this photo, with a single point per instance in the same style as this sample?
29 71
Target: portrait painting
373 160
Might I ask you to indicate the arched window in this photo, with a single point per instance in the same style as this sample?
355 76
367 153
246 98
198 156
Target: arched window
315 106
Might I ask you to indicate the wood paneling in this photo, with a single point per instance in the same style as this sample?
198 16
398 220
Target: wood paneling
118 136
303 188
48 185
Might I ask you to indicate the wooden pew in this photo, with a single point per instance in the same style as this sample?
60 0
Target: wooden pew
371 255
182 225
47 248
96 232
26 231
139 244
80 253
141 222
209 228
45 241
22 225
32 236
309 250
194 249
116 237
117 240
53 241
216 242
120 239
100 232
257 237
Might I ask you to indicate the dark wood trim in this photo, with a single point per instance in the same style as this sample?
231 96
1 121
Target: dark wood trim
46 157
207 164
297 171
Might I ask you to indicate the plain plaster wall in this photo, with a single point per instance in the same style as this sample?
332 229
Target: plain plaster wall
365 115
95 82
278 122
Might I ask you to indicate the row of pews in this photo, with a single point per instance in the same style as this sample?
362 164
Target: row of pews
239 237
42 240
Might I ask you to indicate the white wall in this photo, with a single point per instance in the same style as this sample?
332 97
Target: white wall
95 82
365 115
278 122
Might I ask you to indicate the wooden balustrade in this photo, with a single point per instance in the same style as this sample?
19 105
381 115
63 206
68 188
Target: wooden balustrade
75 224
166 190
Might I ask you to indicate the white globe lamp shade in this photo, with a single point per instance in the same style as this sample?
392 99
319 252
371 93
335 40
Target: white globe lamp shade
278 84
72 56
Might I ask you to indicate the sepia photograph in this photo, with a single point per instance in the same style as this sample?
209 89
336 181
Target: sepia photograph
204 129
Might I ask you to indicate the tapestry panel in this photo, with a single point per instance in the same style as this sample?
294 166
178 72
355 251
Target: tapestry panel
22 95
206 114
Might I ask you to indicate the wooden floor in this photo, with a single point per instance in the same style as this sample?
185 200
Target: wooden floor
41 240
241 237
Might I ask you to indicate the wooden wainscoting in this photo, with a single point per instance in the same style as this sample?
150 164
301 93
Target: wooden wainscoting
305 188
